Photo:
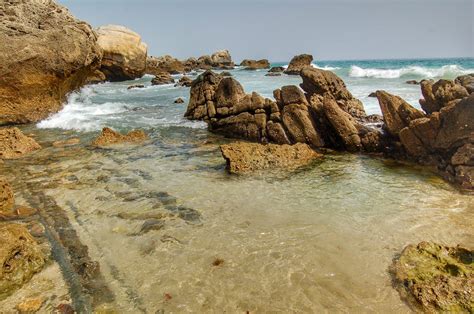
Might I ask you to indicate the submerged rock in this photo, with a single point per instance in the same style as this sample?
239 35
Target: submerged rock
298 63
255 64
162 78
136 86
179 100
111 137
7 198
436 278
244 157
124 53
14 144
20 258
45 53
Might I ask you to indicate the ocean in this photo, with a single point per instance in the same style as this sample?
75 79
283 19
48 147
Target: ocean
319 239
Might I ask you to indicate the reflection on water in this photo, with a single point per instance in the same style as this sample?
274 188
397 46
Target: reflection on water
156 217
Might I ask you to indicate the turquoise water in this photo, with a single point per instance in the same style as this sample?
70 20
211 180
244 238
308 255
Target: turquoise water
320 239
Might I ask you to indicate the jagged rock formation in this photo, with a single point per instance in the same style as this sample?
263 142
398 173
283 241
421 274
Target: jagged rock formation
325 116
255 64
20 258
125 54
466 81
244 157
162 78
298 63
111 137
157 65
444 137
14 144
44 54
435 278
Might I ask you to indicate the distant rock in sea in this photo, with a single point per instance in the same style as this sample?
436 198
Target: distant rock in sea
298 63
255 64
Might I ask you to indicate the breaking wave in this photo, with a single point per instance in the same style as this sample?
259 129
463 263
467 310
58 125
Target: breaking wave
451 71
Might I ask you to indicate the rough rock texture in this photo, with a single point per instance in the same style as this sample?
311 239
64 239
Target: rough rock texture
228 110
44 54
397 113
20 258
298 63
156 65
162 78
125 54
7 198
440 94
185 81
443 138
244 157
255 64
436 278
14 144
111 137
466 81
222 59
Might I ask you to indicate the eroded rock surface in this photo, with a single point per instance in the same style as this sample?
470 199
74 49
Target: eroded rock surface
436 278
244 157
20 258
255 64
111 137
7 198
14 144
45 53
125 54
298 63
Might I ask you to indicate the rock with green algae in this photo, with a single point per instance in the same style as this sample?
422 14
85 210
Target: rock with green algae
20 258
436 278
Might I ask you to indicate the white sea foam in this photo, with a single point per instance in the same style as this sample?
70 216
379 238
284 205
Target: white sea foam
451 70
80 113
326 67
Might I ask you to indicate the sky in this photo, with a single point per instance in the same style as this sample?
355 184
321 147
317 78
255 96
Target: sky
279 29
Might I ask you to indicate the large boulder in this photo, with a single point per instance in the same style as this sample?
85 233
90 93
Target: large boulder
201 101
20 258
222 59
45 53
14 144
242 157
298 63
255 64
436 278
125 55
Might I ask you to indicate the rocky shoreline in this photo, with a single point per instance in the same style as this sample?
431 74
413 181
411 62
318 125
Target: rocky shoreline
57 54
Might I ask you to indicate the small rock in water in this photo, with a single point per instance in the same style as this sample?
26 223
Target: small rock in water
110 137
413 82
185 213
151 224
164 197
273 74
136 86
373 94
179 100
30 305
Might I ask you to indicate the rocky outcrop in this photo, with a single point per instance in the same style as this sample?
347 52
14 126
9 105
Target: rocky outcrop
436 278
443 138
156 65
14 144
222 60
255 64
276 70
184 81
125 54
20 258
244 157
111 137
45 53
162 78
466 81
298 63
7 198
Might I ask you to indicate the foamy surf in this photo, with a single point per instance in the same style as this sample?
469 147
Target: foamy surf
448 71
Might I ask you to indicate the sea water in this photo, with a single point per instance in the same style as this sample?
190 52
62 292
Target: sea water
320 239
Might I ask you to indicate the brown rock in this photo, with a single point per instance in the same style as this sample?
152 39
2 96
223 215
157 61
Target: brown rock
329 85
466 81
440 94
156 65
276 70
7 198
45 53
436 278
14 144
162 78
30 305
20 258
111 137
202 91
96 77
255 64
413 82
179 100
222 59
185 81
225 73
273 74
397 113
124 53
136 86
244 157
298 63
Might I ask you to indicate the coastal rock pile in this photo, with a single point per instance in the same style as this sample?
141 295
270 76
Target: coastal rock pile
125 54
44 54
325 116
244 157
444 136
167 63
436 278
255 64
298 63
14 144
20 258
111 137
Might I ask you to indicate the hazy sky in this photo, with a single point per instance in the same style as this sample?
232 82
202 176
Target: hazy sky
279 29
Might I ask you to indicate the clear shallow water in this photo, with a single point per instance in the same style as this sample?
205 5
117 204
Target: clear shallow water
318 239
